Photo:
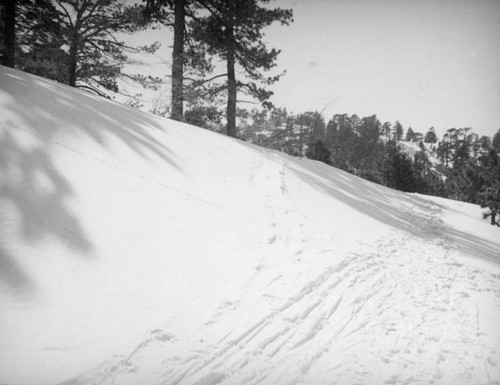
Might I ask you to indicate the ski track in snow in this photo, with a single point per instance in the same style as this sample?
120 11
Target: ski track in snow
385 315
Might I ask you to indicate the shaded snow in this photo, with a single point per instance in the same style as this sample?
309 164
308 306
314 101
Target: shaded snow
135 249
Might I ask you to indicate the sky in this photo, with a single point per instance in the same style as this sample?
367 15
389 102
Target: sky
425 63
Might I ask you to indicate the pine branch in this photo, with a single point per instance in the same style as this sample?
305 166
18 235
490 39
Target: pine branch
88 87
201 82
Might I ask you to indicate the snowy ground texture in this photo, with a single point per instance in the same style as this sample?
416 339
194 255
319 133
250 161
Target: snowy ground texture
137 250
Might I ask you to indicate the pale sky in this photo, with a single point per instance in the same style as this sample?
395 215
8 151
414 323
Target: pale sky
426 63
422 62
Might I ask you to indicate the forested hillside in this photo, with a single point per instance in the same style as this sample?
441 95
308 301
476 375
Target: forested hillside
460 165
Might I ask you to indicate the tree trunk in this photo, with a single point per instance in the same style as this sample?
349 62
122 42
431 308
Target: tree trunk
73 58
231 93
177 112
231 74
9 53
301 143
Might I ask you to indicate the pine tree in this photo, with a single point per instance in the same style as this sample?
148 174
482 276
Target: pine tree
398 131
75 41
8 18
495 143
204 116
41 41
410 135
444 148
96 57
313 126
398 169
369 129
319 151
342 139
233 31
489 196
486 142
31 37
461 153
430 136
185 55
386 131
178 60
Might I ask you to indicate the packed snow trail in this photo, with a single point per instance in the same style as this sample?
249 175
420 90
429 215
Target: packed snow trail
404 310
137 250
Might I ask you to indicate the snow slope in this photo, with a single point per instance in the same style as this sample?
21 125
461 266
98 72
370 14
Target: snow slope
413 147
138 250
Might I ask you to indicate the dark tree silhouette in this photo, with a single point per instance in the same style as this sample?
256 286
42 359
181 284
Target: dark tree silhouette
233 31
9 33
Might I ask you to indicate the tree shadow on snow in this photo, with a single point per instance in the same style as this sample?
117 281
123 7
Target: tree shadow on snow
474 246
13 276
34 195
372 200
98 118
33 192
393 208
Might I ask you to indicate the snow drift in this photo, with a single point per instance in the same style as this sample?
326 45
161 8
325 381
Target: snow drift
138 250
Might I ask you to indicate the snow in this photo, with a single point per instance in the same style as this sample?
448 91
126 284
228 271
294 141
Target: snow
138 250
412 148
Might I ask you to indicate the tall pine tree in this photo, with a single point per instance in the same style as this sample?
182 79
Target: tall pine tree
8 18
232 30
96 57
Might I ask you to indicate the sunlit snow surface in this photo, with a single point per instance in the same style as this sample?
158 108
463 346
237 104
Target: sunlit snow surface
137 250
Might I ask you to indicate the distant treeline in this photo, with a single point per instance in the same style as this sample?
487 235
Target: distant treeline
460 165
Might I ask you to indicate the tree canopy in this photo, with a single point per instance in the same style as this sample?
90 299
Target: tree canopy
232 30
73 41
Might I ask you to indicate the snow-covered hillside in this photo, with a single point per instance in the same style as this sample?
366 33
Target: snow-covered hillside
138 250
413 147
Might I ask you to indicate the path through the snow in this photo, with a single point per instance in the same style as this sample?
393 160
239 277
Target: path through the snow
404 309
